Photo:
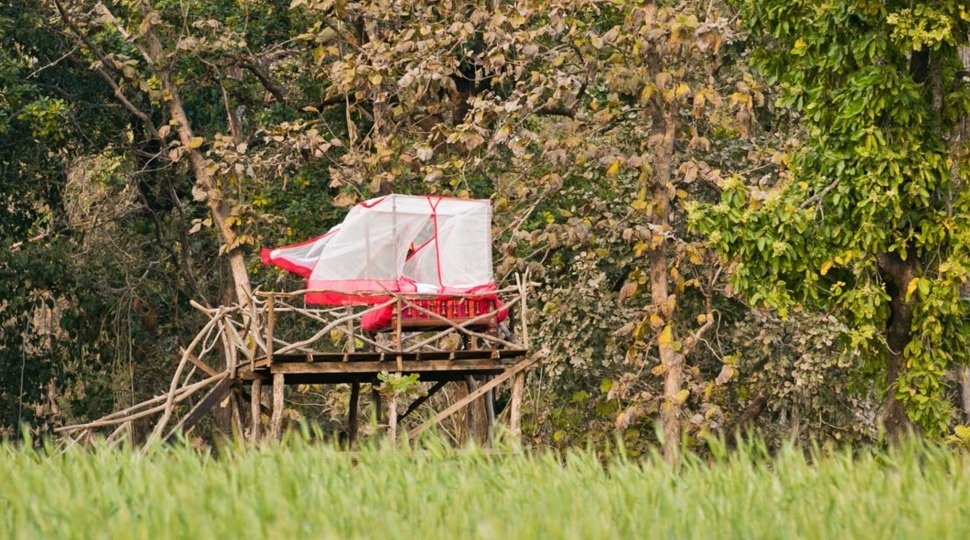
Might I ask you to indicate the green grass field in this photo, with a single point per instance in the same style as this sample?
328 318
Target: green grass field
301 490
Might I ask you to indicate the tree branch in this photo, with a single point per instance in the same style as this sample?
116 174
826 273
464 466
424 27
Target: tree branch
555 111
118 92
263 79
818 196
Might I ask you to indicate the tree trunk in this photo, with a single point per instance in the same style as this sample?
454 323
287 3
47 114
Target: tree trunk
959 144
897 275
157 58
963 375
662 136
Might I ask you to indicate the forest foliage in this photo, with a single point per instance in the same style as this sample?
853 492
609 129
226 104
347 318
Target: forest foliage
742 215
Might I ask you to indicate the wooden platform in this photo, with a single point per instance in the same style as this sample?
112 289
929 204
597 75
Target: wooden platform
332 368
246 351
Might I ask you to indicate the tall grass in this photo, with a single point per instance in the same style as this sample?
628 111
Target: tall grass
299 490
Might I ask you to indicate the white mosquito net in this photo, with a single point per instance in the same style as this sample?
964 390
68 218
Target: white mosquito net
397 243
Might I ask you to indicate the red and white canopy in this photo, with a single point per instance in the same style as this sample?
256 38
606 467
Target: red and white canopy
397 243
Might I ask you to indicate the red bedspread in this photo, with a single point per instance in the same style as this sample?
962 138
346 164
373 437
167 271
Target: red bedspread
446 306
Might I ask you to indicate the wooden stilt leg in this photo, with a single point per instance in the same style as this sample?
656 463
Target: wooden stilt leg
392 419
237 425
276 423
470 410
255 406
352 415
515 412
490 417
376 398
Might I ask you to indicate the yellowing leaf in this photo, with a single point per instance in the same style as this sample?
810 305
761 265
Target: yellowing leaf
825 267
682 90
196 142
656 321
681 397
614 169
911 287
667 336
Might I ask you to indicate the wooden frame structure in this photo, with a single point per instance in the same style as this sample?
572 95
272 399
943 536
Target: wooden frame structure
252 351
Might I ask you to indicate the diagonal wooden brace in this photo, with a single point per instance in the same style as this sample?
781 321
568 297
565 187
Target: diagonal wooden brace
219 392
472 396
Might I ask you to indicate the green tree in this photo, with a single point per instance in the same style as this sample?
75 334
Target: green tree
870 216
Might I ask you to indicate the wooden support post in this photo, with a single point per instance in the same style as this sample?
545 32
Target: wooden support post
352 415
237 425
490 417
276 423
376 398
470 410
255 409
270 323
392 419
515 407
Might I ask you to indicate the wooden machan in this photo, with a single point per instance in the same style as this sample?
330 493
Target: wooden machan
246 351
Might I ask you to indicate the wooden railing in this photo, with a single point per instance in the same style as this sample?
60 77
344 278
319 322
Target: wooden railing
417 323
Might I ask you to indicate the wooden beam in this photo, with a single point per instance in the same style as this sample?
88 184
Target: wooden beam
472 396
420 401
200 364
410 366
215 395
387 357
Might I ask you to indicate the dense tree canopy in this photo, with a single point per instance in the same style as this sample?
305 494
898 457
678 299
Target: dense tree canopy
147 147
870 219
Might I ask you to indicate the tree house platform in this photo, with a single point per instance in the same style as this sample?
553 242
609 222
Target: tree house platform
251 352
335 368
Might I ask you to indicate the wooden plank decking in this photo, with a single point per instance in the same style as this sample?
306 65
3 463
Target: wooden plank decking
329 368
